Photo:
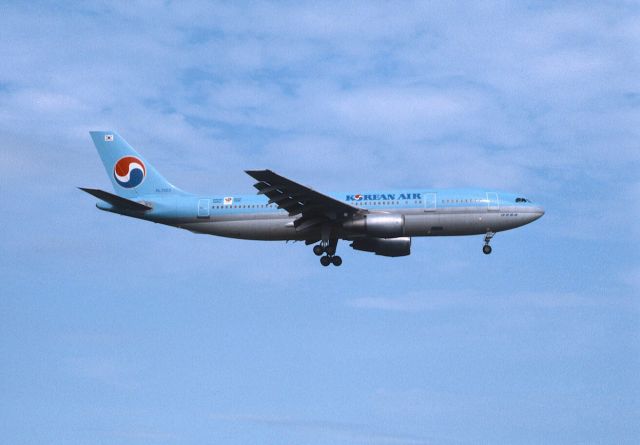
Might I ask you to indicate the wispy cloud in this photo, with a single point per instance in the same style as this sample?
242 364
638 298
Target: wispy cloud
103 370
435 300
631 277
146 435
367 77
354 433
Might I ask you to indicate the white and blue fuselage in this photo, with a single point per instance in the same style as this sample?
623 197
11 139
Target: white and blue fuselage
434 212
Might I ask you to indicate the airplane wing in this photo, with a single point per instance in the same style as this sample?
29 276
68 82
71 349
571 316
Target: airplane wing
314 207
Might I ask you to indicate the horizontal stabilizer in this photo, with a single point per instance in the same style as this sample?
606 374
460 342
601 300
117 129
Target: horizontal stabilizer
116 201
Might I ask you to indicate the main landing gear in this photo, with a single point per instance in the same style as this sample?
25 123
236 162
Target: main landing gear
330 257
486 249
328 247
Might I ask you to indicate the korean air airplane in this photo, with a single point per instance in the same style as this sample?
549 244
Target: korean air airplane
382 222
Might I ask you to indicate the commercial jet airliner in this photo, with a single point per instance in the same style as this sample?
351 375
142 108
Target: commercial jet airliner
381 222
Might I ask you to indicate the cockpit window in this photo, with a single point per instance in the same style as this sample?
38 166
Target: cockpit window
522 200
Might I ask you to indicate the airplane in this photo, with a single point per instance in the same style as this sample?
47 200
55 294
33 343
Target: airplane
381 222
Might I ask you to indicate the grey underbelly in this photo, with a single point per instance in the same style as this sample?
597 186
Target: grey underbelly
254 229
416 224
442 224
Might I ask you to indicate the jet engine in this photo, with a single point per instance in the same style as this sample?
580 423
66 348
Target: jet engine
384 246
378 225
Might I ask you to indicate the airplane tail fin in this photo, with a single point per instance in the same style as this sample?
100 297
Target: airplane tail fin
130 174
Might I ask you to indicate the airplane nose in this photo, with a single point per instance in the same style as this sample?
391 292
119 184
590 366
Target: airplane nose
538 211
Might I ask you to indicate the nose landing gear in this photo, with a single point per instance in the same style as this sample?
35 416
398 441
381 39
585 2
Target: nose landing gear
486 249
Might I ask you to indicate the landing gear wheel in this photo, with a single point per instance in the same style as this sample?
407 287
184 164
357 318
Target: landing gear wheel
318 249
325 260
331 250
336 260
486 249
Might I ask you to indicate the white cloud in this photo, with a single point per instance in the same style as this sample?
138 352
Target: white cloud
631 277
345 74
102 370
354 433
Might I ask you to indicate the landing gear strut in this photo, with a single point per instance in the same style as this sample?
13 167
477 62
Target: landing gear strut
328 246
486 249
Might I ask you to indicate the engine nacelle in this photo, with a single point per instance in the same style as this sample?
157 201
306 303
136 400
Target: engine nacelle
384 246
378 225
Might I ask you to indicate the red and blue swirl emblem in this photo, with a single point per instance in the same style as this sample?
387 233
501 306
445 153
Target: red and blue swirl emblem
129 172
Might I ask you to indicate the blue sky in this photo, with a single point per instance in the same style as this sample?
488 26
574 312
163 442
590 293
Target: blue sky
118 331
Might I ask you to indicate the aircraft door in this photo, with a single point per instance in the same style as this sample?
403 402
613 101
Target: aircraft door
204 208
493 204
429 200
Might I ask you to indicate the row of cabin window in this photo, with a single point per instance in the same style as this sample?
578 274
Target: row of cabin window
252 206
463 200
419 202
381 203
357 203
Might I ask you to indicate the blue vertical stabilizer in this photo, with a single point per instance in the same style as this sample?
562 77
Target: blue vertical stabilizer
130 173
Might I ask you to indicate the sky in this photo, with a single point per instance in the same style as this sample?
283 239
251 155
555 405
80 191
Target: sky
114 330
